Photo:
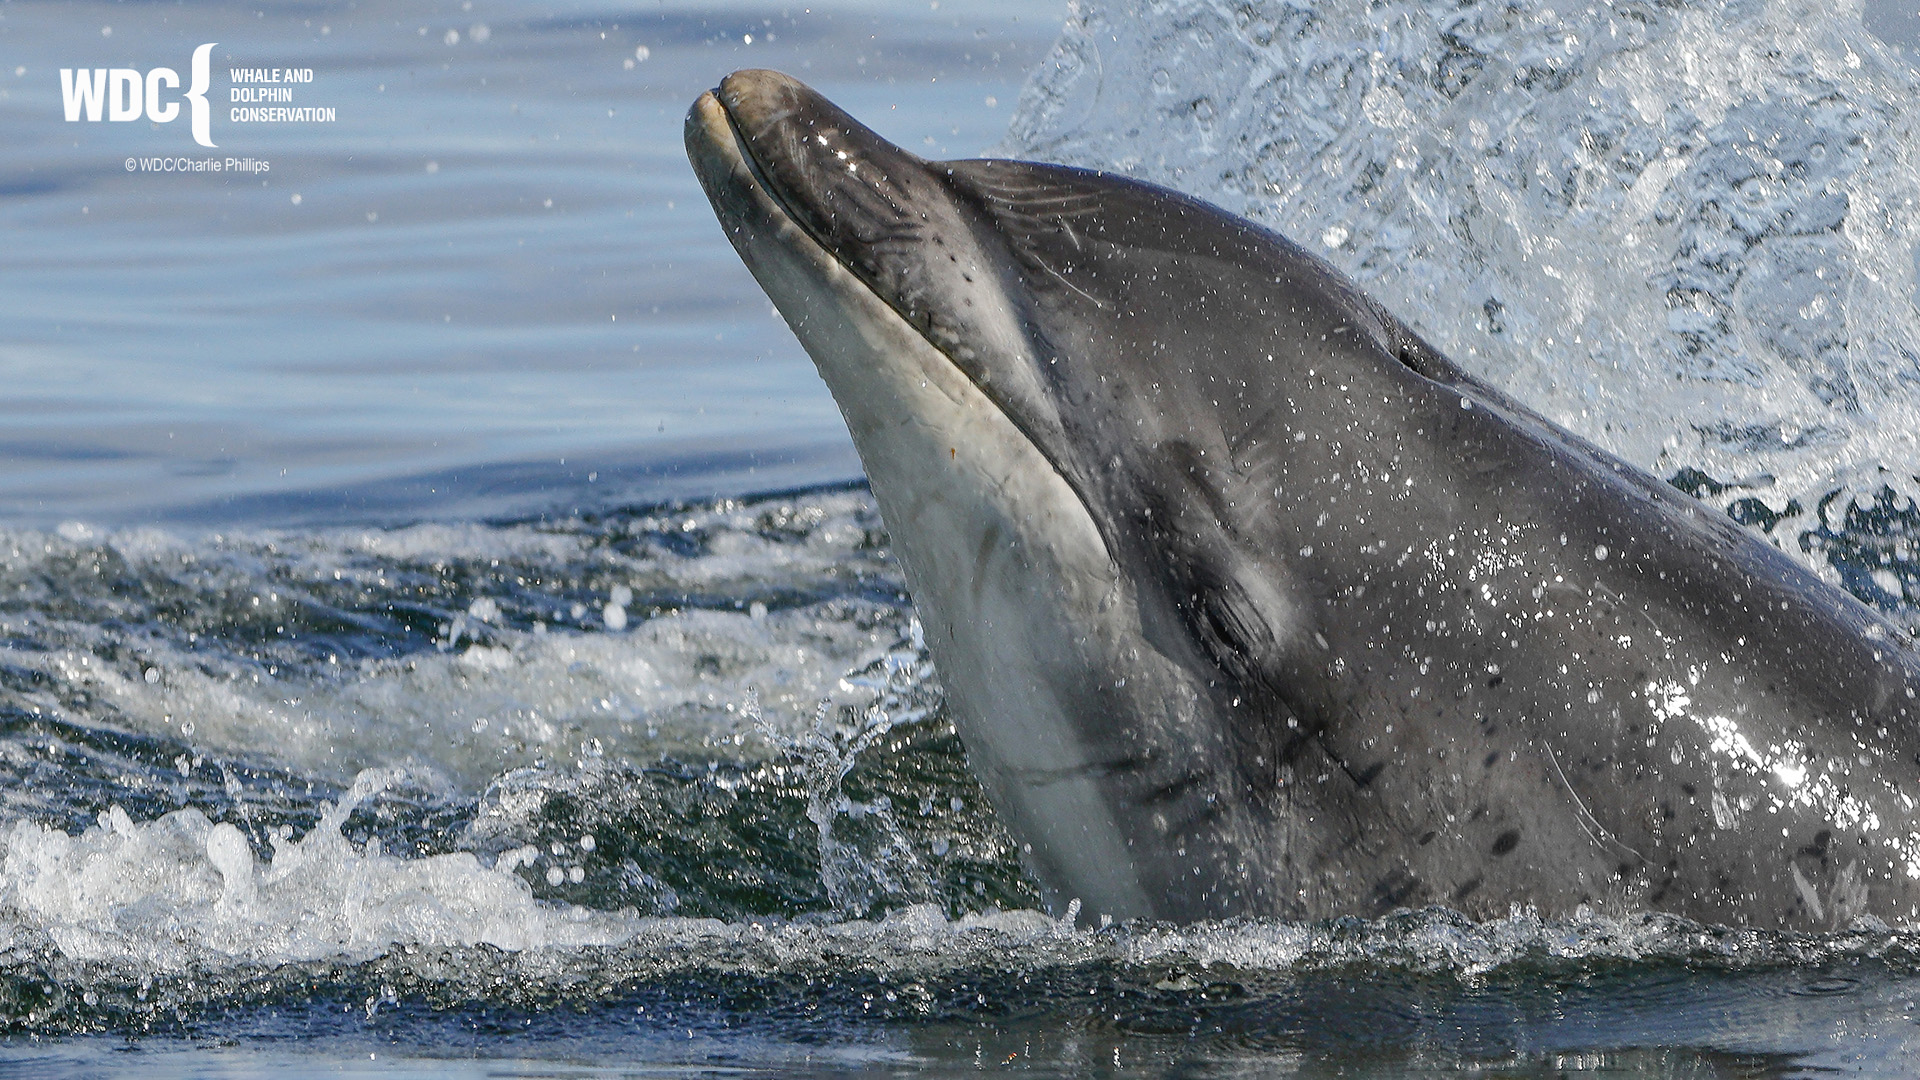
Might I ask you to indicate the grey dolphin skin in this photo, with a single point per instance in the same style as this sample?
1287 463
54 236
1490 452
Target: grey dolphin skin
1248 602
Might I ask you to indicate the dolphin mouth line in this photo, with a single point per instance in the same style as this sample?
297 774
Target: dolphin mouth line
741 148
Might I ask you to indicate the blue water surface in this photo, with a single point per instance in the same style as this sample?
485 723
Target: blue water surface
490 284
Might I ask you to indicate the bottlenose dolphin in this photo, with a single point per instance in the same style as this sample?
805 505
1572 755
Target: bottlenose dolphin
1249 602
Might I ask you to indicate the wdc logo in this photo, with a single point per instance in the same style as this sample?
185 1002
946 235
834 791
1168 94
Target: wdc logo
124 94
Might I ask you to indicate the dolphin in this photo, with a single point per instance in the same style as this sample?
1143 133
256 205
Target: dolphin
1248 602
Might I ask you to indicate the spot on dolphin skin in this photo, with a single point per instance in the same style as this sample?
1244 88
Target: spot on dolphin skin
1506 842
1669 876
1466 889
1818 849
1390 891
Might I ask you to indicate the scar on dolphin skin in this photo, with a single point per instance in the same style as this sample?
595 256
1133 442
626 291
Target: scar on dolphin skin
1249 601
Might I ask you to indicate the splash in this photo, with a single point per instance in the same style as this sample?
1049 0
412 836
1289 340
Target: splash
164 895
1686 232
880 865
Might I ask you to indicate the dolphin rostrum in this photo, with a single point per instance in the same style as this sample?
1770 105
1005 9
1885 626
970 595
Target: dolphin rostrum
1248 602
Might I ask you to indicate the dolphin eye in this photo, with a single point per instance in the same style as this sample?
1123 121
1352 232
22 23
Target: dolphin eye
1231 631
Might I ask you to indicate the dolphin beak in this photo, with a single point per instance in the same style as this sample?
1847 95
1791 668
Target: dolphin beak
717 157
708 130
745 203
849 189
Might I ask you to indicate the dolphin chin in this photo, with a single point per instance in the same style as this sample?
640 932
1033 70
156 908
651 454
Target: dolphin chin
1248 602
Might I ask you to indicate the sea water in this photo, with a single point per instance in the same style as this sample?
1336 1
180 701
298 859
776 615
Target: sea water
442 633
488 283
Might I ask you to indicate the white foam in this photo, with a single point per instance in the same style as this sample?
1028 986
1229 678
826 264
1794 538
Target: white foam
489 697
163 895
674 684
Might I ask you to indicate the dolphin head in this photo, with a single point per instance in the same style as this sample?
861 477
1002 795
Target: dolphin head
906 228
1030 277
1077 399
